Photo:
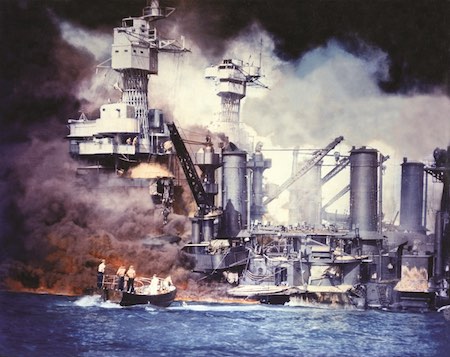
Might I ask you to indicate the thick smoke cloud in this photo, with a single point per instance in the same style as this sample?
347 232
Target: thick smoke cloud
39 71
376 73
414 34
54 228
67 227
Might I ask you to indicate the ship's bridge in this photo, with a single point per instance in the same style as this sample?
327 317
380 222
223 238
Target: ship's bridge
117 118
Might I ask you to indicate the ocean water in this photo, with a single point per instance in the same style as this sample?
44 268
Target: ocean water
48 325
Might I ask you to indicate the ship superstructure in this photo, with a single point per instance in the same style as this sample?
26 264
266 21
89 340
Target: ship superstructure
364 265
128 132
215 242
232 77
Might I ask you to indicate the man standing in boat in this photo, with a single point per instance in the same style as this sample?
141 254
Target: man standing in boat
154 285
121 275
131 274
100 273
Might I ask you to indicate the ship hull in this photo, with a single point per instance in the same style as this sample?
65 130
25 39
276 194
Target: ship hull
160 300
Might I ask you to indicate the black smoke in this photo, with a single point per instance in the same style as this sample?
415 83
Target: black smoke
53 228
38 74
414 34
39 71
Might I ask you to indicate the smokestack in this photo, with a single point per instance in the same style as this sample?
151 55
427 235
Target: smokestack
208 162
234 190
411 204
258 164
364 189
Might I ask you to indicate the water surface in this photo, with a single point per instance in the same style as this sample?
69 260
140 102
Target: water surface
48 325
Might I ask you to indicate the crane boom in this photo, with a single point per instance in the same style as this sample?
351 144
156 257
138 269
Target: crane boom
317 157
197 189
342 164
336 197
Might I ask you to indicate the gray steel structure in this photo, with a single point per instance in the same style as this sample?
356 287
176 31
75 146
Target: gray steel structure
311 199
411 204
364 189
441 171
128 132
208 161
234 190
257 164
317 157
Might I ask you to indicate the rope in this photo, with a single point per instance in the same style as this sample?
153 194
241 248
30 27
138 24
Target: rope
214 269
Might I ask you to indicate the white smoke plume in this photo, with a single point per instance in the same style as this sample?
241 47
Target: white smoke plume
327 93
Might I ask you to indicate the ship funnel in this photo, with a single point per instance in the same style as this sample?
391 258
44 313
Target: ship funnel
411 204
364 189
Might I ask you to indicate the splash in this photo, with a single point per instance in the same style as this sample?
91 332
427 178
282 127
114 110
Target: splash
95 300
88 301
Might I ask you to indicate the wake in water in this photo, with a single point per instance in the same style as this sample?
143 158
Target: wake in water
195 306
302 303
95 300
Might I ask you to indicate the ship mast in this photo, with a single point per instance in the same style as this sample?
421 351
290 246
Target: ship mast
134 55
128 132
231 78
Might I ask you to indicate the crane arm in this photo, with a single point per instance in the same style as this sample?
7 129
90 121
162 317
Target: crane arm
336 197
191 174
317 157
342 164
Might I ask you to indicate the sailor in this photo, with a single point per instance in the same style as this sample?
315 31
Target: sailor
121 275
131 274
167 283
154 285
101 273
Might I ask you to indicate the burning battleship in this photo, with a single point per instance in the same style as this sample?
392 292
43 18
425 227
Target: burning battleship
360 263
357 261
129 132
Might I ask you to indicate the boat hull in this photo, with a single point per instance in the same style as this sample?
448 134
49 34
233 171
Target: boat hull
160 300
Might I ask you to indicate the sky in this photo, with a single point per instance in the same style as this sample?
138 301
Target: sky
376 73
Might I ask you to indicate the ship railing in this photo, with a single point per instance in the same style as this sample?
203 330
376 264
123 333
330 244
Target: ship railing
141 284
280 248
258 278
110 282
